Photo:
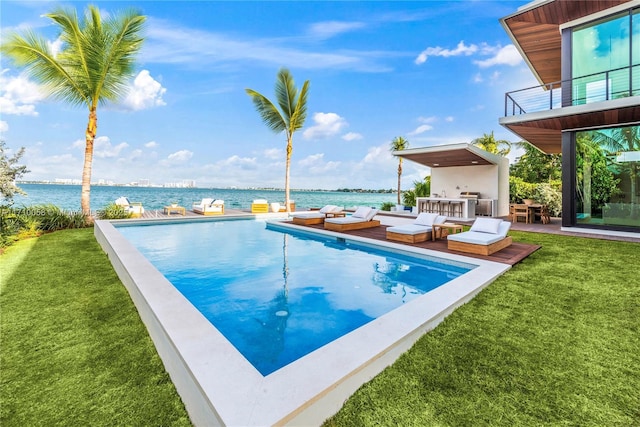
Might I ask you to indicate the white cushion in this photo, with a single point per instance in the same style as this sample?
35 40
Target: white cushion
373 212
476 237
486 225
345 220
312 214
260 201
410 229
327 209
337 209
425 218
361 212
217 202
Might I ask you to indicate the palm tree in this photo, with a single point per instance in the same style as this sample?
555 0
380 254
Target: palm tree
95 62
398 144
488 143
294 112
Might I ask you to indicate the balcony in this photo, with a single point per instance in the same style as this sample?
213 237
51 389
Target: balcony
539 114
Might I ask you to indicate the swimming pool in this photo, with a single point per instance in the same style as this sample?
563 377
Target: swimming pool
220 387
277 295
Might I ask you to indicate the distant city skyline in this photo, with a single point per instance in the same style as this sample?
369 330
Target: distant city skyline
434 72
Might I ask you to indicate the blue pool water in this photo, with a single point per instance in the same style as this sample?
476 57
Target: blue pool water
277 296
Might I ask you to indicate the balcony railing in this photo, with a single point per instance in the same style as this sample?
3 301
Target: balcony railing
612 84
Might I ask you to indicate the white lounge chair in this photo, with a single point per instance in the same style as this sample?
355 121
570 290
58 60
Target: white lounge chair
135 209
208 207
317 216
361 218
419 230
486 236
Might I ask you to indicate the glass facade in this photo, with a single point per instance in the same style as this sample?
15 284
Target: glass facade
608 177
603 53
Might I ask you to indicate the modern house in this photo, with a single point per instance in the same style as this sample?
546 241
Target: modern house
586 56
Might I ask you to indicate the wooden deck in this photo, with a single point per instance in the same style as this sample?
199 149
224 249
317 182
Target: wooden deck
511 255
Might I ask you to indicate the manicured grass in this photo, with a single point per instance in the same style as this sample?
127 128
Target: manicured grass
74 351
555 341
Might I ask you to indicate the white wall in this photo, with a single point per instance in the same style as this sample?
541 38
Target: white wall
492 181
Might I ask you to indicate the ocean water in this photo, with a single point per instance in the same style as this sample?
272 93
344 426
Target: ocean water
68 196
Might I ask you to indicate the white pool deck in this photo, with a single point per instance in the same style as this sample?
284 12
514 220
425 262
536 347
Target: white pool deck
219 387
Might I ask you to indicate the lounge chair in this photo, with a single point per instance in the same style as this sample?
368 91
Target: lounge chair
208 207
361 218
419 230
318 216
486 236
260 206
135 209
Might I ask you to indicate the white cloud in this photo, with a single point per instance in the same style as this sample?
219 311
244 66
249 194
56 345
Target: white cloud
55 46
461 49
179 156
328 29
507 55
449 119
431 119
151 144
421 129
315 165
326 125
144 93
351 136
102 148
273 154
4 126
242 163
18 95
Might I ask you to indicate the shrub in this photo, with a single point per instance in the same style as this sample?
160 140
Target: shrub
113 211
386 206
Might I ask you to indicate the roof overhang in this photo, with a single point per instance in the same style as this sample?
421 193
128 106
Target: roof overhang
535 31
442 156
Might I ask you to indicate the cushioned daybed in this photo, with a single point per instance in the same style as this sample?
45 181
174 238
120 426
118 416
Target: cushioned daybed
316 217
418 231
361 218
208 207
486 236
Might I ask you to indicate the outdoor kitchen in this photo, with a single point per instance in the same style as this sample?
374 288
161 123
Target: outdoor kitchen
466 181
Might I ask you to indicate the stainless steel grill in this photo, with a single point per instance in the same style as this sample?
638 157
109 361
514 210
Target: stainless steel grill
484 207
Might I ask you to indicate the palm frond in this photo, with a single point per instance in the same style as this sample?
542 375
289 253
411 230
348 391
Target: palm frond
300 113
268 112
286 93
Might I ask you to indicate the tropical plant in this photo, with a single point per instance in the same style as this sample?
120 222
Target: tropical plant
386 206
113 211
489 143
420 189
398 144
290 117
9 172
96 59
535 166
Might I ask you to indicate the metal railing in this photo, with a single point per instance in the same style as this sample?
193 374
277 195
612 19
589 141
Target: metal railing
613 84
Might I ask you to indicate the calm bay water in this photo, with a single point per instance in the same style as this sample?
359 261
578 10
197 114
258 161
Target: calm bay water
68 196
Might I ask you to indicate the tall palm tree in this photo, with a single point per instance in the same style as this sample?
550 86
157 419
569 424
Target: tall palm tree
489 143
397 144
294 112
95 62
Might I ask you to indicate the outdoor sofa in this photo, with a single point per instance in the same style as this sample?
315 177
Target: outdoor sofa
135 209
259 206
486 236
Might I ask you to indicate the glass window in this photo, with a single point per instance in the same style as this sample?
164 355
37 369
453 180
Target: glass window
635 52
598 48
608 177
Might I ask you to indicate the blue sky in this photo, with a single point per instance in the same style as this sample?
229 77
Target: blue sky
433 72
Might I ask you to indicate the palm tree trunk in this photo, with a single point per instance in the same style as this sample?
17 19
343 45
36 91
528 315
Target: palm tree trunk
399 176
90 135
288 167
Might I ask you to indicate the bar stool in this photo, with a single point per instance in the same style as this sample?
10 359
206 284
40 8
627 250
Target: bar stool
445 206
455 209
434 206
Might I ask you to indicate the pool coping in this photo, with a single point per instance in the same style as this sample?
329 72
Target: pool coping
220 387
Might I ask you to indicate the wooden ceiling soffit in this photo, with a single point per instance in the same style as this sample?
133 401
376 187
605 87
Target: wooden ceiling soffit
536 32
449 158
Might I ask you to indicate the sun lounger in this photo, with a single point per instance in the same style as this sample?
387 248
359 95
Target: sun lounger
361 218
260 206
419 230
486 236
316 217
134 208
208 207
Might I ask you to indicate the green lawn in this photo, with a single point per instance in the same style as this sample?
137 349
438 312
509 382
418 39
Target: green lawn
555 341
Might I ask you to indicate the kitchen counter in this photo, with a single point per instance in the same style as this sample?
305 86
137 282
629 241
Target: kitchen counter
468 206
